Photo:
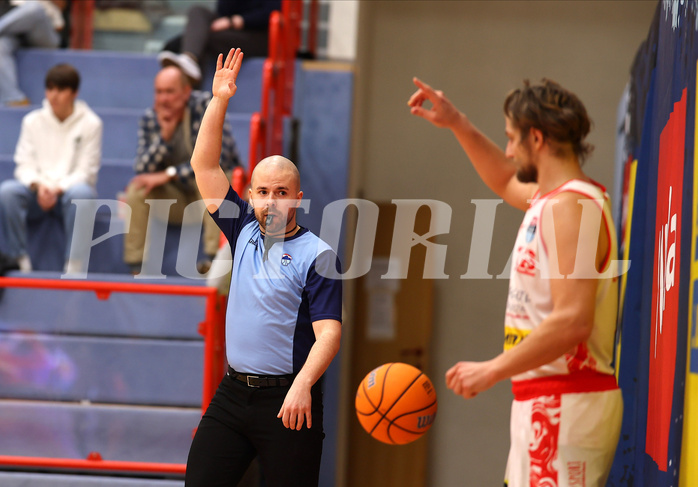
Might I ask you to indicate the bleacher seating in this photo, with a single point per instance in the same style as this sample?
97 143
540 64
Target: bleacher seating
116 376
118 87
122 377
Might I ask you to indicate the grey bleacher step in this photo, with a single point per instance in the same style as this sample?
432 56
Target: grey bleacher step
128 315
120 132
30 479
117 433
101 369
123 79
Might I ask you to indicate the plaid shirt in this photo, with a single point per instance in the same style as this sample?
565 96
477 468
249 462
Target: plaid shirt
154 153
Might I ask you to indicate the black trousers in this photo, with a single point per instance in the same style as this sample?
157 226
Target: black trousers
240 424
199 40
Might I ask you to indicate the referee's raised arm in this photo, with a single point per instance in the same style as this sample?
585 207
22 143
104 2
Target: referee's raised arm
210 178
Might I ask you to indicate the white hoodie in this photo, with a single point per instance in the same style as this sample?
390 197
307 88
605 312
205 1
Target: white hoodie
59 154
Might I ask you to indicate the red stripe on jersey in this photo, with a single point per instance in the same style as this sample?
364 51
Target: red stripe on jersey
582 381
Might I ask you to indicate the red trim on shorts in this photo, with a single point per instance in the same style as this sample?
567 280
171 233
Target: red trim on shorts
577 382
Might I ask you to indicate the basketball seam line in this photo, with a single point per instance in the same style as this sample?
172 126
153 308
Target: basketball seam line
395 401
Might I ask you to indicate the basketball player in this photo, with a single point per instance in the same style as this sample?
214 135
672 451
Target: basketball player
282 324
560 319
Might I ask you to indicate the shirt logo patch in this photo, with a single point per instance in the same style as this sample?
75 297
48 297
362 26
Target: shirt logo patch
253 242
286 259
526 263
531 230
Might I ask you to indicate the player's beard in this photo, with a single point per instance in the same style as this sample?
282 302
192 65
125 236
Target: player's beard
527 171
527 174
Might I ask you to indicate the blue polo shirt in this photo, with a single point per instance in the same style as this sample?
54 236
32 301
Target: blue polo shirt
273 302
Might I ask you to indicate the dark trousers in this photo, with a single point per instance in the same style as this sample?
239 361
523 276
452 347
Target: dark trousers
241 423
199 40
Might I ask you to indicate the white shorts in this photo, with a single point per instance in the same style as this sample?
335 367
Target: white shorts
564 440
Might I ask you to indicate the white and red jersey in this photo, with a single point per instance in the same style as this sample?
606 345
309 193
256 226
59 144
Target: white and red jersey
530 299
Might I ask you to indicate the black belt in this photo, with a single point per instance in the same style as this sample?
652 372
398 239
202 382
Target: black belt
261 380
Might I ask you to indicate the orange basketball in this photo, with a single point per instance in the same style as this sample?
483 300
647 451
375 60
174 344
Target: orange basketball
396 403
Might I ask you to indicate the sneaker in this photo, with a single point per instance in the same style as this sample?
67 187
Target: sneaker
24 263
24 102
183 62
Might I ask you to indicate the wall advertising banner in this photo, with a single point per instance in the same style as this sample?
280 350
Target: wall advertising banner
665 295
658 346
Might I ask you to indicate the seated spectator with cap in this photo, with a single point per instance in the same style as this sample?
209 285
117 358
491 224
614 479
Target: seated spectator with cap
167 133
57 156
235 23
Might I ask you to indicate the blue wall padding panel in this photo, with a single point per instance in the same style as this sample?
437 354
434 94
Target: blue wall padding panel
24 479
123 314
101 369
123 433
323 104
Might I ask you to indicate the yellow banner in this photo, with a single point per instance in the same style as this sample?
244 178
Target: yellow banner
632 177
688 476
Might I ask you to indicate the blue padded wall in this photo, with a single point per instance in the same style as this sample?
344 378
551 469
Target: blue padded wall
323 107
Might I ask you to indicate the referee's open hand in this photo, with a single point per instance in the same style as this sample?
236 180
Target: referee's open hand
296 407
226 74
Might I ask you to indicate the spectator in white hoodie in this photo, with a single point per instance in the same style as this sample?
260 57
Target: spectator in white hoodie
57 156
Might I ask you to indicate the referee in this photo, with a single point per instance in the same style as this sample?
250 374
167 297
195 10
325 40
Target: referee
283 324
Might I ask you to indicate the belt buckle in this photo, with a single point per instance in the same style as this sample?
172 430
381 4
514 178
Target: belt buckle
253 377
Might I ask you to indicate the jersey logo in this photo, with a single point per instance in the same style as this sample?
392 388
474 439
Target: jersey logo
527 261
531 230
513 336
286 259
253 242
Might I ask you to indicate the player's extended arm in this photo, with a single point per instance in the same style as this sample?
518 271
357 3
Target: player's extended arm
490 162
572 318
296 406
205 160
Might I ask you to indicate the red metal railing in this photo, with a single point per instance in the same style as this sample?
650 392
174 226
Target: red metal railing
212 329
266 126
81 20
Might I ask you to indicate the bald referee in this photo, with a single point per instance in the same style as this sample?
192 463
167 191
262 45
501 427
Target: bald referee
283 324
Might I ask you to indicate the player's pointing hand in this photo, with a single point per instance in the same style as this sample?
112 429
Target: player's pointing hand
442 112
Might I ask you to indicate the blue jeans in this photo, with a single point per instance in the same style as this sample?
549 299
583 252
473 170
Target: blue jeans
24 25
18 203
